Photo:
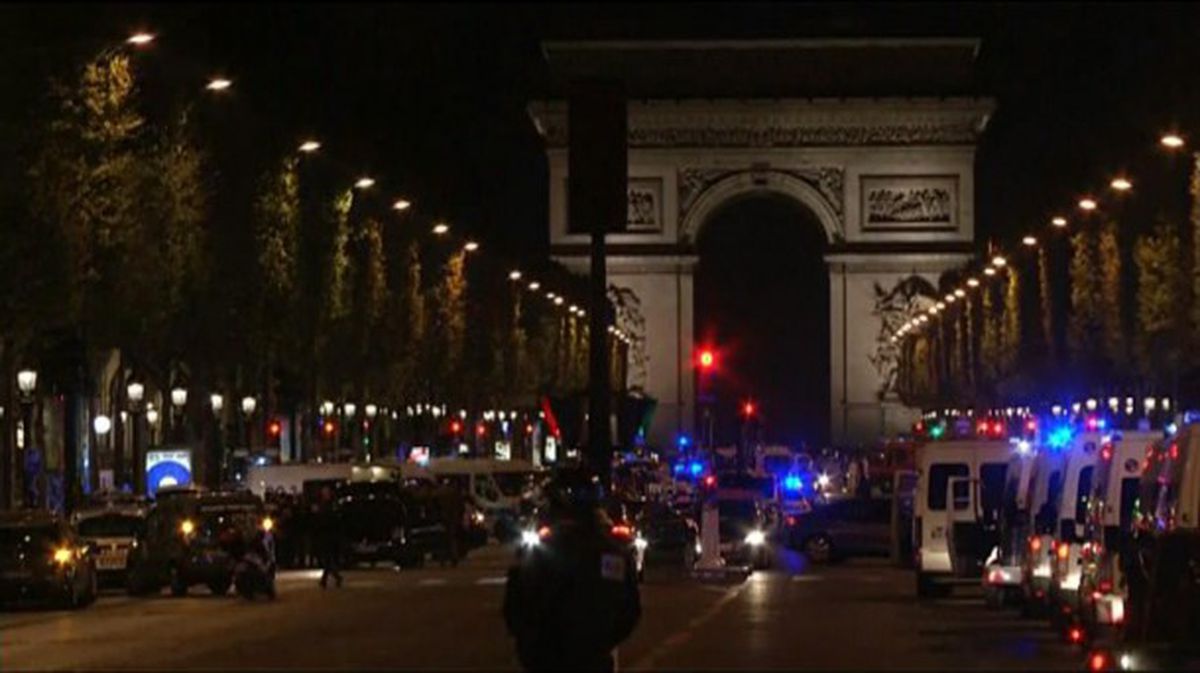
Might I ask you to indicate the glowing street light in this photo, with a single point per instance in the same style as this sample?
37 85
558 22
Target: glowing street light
514 275
217 401
534 286
1121 184
960 293
179 396
999 261
441 228
990 271
973 282
218 84
1171 141
309 146
1087 204
27 381
101 424
364 182
249 404
1029 241
140 39
327 408
1059 221
558 301
950 298
471 246
135 391
402 204
941 306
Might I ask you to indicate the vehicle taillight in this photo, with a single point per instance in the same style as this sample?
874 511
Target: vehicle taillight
1098 661
1075 635
1035 543
621 530
1063 552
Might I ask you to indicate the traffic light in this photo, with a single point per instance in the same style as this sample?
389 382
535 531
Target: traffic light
455 427
329 428
707 359
749 409
274 431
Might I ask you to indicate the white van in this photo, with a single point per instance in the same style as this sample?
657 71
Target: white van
1002 570
1103 590
495 486
1044 498
290 477
956 505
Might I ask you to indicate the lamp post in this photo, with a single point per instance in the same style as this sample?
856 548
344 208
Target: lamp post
101 425
371 412
249 404
135 391
179 398
217 453
26 383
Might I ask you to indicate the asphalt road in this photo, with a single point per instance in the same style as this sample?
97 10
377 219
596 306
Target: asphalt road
859 615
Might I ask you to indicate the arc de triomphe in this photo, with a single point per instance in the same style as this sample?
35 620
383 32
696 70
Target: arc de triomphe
875 138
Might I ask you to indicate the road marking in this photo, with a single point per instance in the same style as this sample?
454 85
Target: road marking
492 581
432 582
683 635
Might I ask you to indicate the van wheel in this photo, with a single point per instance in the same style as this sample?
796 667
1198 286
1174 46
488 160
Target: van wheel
178 586
819 548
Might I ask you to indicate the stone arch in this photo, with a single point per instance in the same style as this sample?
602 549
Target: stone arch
741 184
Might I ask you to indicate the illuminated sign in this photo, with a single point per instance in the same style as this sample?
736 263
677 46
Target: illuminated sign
167 468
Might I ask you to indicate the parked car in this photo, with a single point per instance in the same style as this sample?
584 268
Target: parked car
195 537
112 532
842 528
42 558
375 523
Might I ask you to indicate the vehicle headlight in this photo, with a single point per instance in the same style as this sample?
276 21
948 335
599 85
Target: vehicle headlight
699 549
823 480
530 538
755 538
477 517
268 524
640 543
1127 663
187 527
63 555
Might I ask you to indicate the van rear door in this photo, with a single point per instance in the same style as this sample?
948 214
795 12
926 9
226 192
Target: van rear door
963 526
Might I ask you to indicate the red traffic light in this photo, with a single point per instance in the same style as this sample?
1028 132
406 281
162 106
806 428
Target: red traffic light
329 427
707 359
748 409
455 427
481 429
274 428
709 481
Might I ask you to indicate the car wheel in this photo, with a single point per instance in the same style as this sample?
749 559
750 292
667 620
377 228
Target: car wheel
819 549
178 586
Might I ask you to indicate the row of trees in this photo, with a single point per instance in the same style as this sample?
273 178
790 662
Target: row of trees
1110 307
140 237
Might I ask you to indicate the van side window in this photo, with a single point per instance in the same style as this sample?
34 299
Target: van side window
1083 493
939 478
991 489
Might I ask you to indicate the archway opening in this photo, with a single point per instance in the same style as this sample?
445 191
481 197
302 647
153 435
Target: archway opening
762 304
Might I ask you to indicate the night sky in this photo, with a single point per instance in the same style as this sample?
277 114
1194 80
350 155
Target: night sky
431 99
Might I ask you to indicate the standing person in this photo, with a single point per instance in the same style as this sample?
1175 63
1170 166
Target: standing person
327 537
574 597
451 505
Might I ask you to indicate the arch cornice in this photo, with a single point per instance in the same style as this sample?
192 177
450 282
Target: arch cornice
703 191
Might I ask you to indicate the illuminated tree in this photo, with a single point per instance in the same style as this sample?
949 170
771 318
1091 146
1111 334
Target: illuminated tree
1116 350
1085 323
1161 326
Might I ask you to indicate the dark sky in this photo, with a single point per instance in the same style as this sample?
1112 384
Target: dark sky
431 97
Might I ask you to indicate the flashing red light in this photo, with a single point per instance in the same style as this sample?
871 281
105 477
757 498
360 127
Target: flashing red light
710 481
621 530
1098 661
1092 423
455 427
919 427
329 427
481 429
1174 451
708 359
1076 635
748 409
997 428
1031 425
1106 453
983 428
274 428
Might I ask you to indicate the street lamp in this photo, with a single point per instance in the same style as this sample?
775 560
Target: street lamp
309 146
999 261
534 286
27 381
364 182
441 228
140 39
348 409
514 275
327 408
1172 141
152 416
1121 184
1029 241
1087 204
179 397
471 246
218 402
136 392
401 204
371 411
1059 222
249 404
218 84
101 424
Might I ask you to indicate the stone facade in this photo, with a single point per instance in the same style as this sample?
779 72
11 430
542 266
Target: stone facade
890 180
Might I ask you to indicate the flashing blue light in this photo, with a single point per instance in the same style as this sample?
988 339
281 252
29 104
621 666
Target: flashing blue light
682 441
1059 437
679 468
1171 429
793 483
1102 423
696 468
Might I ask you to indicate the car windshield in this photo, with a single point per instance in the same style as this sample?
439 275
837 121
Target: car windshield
111 525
